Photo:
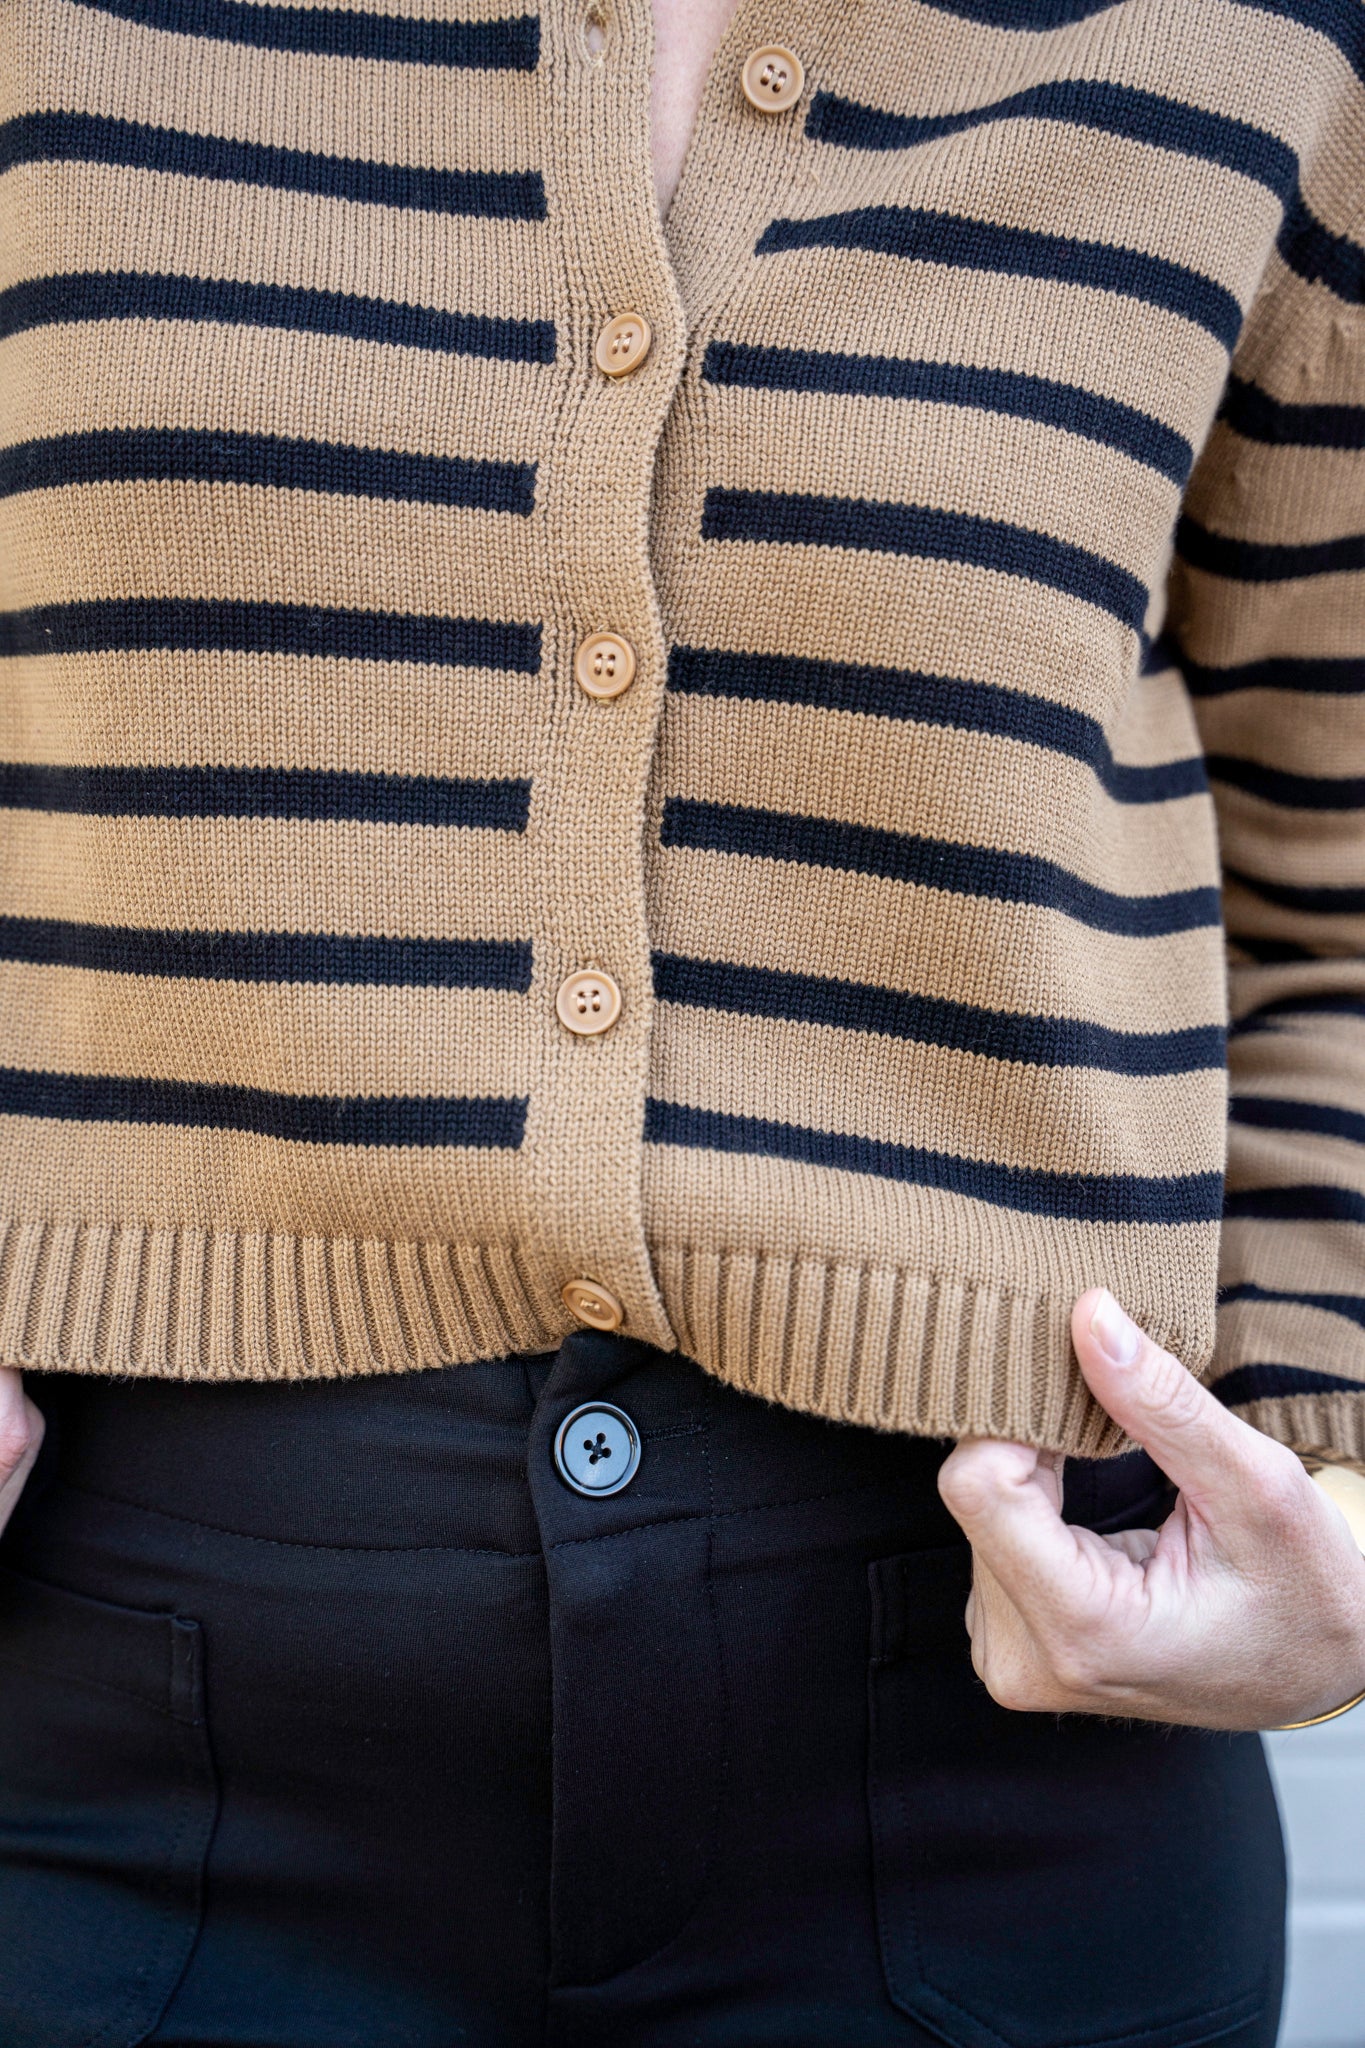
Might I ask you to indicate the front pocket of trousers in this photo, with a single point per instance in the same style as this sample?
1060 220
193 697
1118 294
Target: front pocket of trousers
1049 1881
107 1802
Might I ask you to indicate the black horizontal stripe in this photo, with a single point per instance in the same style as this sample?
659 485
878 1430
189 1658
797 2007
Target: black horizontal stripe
137 145
1251 561
1284 1009
987 871
310 793
1092 1198
1318 900
1278 1113
509 45
1295 792
482 1121
1248 1383
948 701
1160 654
273 461
785 518
1296 1205
1256 416
1341 21
954 239
244 627
140 295
1098 103
1022 14
339 958
1011 392
1324 675
1315 251
1320 255
932 1020
1351 1306
1271 952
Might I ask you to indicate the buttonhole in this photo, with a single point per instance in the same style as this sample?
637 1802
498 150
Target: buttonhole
594 31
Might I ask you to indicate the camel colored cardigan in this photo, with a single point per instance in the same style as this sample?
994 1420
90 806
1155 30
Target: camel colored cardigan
987 520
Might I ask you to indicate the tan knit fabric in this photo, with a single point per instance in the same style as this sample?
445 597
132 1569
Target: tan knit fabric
988 520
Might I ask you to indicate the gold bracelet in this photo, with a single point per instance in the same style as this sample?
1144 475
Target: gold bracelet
1287 1727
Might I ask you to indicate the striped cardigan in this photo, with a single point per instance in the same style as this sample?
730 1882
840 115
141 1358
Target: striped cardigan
988 521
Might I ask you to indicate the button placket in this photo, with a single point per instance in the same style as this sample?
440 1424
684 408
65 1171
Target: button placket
621 347
622 340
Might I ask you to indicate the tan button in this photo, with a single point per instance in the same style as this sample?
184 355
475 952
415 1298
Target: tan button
772 79
604 665
588 1003
623 344
596 1306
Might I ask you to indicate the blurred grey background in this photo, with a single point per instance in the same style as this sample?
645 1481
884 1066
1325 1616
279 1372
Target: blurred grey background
1320 1773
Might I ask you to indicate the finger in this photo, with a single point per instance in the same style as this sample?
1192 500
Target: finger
1215 1458
21 1433
1006 1498
1006 1656
1135 1544
1049 1477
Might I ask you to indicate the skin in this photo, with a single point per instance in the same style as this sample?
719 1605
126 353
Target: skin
21 1434
1247 1608
687 34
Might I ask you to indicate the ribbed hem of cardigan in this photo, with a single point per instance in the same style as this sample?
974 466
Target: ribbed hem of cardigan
259 1305
1329 1427
886 1347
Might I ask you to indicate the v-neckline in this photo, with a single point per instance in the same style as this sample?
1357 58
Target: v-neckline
705 81
730 34
698 262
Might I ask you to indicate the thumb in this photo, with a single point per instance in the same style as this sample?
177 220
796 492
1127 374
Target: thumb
1208 1452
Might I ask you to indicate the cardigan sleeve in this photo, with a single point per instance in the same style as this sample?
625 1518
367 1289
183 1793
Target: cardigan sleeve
1267 612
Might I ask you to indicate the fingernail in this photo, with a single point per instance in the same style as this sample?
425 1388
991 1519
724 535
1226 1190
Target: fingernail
1117 1335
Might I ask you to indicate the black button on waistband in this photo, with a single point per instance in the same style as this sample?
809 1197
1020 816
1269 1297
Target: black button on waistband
597 1448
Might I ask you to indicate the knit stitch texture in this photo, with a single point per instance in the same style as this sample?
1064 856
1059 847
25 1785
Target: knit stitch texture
988 521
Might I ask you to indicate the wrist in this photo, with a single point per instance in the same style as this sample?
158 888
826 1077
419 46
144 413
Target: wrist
1345 1488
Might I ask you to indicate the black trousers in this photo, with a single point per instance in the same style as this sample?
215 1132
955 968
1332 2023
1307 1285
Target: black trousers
330 1714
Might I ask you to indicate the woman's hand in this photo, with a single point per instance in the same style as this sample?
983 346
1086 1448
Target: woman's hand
1245 1610
21 1433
